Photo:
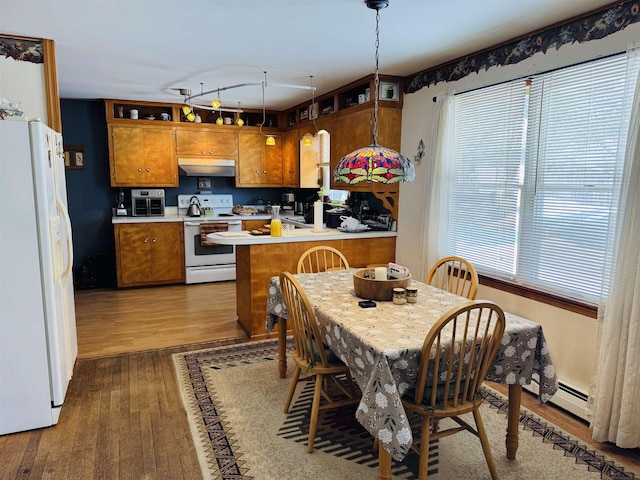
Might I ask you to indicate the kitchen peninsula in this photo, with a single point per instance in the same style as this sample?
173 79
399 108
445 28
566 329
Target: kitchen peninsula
258 258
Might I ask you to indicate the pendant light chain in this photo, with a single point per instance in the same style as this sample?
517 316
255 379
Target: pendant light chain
376 81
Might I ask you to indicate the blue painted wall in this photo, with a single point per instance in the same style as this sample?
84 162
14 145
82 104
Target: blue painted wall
91 196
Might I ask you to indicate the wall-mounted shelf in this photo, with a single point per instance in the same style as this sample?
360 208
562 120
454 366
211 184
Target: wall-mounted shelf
352 95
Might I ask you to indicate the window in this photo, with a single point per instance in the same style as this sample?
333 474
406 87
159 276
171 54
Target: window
535 170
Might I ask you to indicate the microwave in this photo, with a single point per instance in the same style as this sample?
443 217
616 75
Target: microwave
147 203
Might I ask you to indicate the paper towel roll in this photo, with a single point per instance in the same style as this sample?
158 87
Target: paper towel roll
381 273
318 211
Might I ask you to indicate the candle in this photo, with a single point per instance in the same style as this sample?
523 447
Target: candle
318 211
381 273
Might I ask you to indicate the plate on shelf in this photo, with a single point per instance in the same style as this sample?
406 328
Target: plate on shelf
364 228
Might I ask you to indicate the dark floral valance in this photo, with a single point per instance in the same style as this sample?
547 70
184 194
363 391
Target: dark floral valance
592 27
22 49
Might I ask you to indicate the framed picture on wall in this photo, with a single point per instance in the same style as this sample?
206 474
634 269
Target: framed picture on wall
74 156
389 91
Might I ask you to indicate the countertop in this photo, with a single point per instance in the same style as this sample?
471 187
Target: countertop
171 217
297 235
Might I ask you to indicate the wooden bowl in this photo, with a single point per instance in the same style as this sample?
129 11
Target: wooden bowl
372 289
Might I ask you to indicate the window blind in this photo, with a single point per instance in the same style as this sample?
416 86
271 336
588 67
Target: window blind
535 174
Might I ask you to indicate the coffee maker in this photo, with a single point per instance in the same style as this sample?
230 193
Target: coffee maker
121 210
288 202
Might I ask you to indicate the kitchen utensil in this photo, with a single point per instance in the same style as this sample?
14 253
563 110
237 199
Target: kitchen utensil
194 209
332 217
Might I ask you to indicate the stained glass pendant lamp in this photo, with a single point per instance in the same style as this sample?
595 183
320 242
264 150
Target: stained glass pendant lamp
374 163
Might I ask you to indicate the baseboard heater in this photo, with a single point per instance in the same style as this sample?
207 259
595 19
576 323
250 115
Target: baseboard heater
567 397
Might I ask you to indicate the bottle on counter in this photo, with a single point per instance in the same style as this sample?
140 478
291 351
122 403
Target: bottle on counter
276 223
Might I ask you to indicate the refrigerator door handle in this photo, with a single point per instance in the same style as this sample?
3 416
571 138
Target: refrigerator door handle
67 224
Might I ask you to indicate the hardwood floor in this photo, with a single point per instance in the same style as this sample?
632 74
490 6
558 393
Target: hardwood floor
123 416
111 322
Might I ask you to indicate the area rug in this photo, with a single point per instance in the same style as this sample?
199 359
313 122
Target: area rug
234 401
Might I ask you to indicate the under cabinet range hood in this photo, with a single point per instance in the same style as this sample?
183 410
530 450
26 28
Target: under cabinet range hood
206 167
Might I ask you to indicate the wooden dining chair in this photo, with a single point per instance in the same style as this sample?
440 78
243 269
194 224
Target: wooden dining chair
455 275
457 351
313 358
322 259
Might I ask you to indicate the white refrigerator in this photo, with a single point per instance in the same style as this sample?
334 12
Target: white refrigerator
38 345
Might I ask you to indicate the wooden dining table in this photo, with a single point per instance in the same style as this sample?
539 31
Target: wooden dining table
381 346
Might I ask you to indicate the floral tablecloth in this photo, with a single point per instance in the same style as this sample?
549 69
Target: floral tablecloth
382 347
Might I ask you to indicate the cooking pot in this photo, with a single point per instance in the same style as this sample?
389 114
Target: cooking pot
194 209
332 217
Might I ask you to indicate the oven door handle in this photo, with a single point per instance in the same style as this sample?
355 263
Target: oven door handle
232 222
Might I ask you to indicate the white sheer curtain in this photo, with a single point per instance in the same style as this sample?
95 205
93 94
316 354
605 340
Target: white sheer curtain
436 215
614 394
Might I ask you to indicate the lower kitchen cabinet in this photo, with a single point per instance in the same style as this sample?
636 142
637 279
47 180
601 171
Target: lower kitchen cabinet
149 253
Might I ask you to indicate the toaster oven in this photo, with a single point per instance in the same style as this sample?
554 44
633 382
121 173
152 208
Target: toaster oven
147 203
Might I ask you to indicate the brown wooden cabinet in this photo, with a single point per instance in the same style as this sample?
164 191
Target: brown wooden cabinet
149 253
291 159
352 131
254 224
205 142
259 165
257 263
142 156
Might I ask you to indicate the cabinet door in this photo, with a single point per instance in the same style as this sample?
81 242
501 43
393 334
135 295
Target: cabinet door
167 253
133 254
291 159
222 145
191 142
161 163
142 156
360 135
272 165
200 142
250 156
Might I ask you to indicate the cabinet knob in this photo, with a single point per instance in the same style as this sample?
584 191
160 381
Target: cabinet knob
140 169
148 169
264 171
146 240
154 240
258 172
210 152
202 152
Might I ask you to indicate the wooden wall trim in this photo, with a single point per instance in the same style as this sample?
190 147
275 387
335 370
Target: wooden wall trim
51 85
569 304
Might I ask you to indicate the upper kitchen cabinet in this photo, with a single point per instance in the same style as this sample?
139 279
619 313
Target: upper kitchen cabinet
142 156
203 141
291 158
259 165
354 130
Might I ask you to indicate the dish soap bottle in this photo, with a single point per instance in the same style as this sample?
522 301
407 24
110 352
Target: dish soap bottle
276 223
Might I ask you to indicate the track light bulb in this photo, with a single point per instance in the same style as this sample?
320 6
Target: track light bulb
188 113
215 103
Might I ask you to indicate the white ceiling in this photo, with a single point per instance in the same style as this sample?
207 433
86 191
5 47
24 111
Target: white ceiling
146 49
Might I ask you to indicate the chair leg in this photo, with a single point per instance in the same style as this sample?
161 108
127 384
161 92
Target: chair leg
315 407
292 388
425 432
486 448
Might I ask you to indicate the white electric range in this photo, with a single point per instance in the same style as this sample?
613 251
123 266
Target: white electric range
204 261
